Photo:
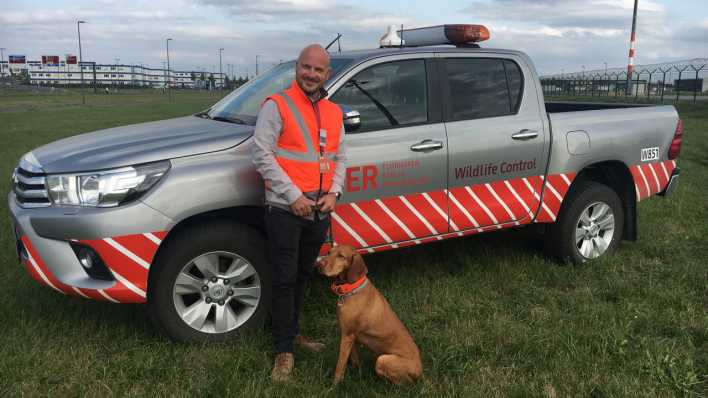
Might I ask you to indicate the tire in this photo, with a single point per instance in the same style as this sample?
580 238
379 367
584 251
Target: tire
224 284
589 225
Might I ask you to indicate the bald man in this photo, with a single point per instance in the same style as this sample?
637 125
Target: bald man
299 151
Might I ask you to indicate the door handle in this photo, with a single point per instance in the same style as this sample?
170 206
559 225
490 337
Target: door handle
525 134
427 146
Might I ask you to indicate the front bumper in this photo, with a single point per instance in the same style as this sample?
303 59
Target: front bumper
126 238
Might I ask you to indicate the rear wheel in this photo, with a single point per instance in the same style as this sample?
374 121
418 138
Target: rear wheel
589 225
210 283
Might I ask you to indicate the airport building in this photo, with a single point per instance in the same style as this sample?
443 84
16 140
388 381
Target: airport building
51 71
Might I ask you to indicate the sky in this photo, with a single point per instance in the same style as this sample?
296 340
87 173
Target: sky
559 35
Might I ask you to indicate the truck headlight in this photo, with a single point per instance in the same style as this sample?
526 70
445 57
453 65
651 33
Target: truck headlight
106 188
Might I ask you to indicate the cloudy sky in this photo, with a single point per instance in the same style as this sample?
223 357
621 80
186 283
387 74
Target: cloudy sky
557 34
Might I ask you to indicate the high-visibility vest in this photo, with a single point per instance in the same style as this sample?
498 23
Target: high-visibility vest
310 135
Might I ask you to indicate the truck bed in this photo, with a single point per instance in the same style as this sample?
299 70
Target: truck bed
560 107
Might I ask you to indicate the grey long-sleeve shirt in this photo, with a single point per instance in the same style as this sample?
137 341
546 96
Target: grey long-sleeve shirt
282 190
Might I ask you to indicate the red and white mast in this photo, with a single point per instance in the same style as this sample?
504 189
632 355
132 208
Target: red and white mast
632 49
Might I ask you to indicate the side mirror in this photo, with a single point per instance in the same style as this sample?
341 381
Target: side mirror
352 120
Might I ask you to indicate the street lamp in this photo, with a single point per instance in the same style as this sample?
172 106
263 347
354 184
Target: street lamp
2 61
221 76
81 67
169 90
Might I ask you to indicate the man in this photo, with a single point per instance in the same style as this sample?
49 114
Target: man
300 154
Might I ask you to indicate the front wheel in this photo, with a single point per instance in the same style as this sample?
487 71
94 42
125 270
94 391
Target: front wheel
210 283
589 224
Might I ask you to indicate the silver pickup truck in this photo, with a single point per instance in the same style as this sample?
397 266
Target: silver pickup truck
444 142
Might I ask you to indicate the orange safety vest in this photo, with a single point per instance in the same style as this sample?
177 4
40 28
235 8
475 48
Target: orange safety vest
310 136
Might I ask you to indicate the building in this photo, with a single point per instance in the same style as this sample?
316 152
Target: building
691 85
119 75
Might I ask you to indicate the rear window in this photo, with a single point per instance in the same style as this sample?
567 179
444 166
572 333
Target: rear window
482 87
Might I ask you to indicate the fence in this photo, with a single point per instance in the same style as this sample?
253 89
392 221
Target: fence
683 80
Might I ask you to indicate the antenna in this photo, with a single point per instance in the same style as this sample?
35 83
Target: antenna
336 39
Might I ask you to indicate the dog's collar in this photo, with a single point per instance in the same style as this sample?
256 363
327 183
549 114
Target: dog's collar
347 289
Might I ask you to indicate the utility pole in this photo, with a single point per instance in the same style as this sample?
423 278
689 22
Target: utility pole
81 67
169 88
632 49
257 64
221 76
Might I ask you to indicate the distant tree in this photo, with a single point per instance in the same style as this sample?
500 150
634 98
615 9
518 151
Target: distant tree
25 77
193 76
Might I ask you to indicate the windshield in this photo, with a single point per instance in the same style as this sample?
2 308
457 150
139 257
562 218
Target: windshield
243 104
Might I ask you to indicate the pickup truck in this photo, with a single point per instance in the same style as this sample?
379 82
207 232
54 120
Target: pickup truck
443 142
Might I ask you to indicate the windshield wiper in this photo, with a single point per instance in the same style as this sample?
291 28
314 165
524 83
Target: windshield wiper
233 120
376 102
203 114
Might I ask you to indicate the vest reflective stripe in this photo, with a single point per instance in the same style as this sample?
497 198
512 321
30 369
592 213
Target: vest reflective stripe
300 122
303 156
294 155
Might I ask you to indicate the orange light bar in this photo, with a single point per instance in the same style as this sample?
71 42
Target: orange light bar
460 33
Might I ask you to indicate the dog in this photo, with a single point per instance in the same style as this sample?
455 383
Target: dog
366 318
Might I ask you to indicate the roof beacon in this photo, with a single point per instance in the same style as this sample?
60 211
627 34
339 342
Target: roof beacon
457 34
391 38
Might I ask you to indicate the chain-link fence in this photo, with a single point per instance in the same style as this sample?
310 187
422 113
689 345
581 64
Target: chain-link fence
684 80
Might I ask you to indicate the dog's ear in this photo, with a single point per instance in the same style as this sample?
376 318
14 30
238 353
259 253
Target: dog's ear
357 268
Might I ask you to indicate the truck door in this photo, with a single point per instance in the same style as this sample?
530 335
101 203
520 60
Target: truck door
497 141
397 160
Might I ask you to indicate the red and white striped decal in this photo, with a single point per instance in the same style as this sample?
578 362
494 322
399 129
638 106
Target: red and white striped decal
651 178
555 187
128 258
39 271
400 221
387 221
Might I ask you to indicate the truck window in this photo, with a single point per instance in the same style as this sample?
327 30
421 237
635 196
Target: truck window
515 82
481 87
387 95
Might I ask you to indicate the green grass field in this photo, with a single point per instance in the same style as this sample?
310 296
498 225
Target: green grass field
492 316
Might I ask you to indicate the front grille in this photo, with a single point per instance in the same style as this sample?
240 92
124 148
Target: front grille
30 188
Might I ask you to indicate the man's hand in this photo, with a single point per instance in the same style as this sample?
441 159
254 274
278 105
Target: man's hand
327 202
302 206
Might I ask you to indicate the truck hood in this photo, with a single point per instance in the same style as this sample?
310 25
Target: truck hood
139 143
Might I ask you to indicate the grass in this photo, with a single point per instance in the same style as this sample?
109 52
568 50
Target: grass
492 316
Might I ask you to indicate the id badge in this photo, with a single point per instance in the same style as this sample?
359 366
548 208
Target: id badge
323 139
324 164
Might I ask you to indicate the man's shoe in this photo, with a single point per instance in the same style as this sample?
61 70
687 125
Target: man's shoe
307 344
283 367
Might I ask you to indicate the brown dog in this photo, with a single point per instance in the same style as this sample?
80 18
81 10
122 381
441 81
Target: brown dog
365 317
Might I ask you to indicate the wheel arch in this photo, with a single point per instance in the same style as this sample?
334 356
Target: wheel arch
251 216
617 176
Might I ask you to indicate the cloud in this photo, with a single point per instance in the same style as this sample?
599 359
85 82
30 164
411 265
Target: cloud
557 34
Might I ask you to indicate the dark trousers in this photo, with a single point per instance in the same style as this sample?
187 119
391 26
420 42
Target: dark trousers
293 246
